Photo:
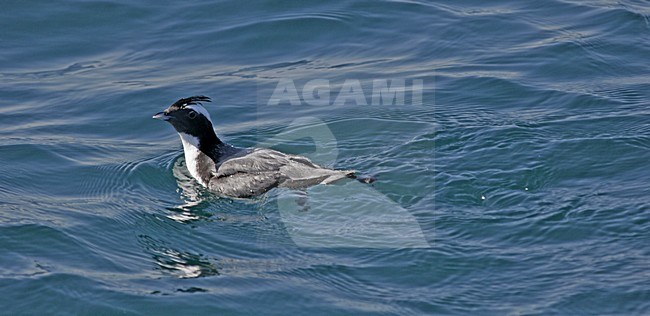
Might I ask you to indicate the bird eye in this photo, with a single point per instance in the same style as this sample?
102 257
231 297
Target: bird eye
191 115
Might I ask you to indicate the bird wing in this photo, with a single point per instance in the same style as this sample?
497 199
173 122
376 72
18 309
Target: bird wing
245 184
261 160
263 169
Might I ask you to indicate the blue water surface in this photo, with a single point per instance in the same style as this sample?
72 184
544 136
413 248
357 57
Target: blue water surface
511 179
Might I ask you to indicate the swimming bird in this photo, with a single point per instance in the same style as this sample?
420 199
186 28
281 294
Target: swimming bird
238 172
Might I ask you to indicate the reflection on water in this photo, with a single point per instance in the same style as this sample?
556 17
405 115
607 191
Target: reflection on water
191 193
180 264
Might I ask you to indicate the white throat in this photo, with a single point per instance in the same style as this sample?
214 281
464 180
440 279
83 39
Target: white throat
192 152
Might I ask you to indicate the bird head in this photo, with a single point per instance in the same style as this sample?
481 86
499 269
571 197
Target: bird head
188 116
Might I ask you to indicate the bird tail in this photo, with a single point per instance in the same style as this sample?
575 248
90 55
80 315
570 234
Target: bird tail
362 178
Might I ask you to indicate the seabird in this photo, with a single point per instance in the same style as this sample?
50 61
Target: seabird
238 172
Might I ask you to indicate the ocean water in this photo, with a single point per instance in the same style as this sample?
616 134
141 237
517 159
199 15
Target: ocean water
512 178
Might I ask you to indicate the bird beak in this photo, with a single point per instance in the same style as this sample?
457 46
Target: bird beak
161 116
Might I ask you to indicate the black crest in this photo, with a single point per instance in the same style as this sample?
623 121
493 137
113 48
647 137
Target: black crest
190 101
